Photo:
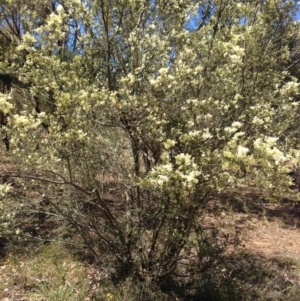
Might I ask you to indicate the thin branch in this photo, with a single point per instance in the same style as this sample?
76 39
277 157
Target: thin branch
292 65
37 178
70 169
78 228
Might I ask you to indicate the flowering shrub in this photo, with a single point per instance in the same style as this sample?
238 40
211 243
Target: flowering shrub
154 108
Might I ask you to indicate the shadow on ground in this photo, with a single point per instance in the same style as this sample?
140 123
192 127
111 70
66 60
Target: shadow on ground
246 277
287 211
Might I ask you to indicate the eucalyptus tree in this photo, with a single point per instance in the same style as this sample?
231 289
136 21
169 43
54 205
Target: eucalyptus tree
152 109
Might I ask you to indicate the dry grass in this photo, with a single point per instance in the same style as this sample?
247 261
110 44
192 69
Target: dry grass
48 273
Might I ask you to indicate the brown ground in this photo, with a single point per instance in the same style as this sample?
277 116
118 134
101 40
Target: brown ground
272 231
277 233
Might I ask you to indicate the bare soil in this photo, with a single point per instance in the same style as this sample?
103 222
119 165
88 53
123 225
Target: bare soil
276 233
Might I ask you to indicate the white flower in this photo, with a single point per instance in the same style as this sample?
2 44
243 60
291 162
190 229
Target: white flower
206 135
183 159
4 189
271 140
163 71
258 143
131 78
236 124
229 130
169 144
242 151
257 121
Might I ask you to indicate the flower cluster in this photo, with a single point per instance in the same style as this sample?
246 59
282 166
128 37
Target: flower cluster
267 147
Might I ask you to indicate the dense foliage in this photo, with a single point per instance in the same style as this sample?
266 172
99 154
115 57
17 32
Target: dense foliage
136 114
